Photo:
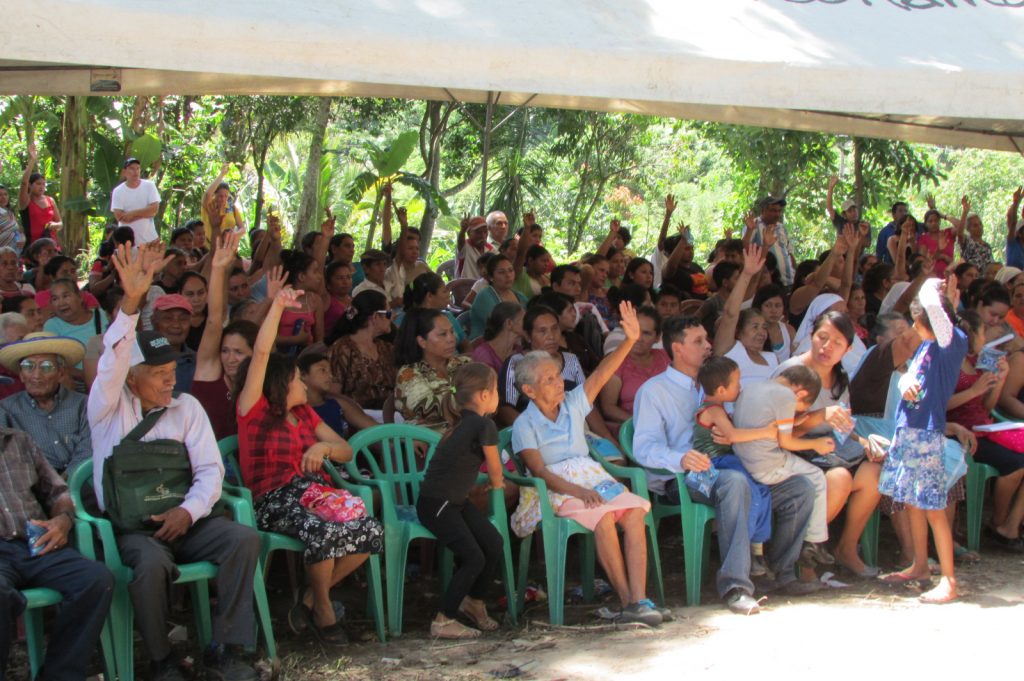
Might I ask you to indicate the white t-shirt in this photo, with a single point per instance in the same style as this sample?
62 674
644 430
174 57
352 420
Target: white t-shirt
127 199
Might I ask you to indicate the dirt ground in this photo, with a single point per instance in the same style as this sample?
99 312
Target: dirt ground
864 630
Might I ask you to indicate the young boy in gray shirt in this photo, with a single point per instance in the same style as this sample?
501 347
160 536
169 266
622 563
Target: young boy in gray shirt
771 461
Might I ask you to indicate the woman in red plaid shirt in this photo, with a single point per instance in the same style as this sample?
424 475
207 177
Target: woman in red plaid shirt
283 444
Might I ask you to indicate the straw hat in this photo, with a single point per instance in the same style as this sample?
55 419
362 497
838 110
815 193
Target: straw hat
41 343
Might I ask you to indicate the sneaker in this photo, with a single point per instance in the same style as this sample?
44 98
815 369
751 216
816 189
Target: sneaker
742 603
224 663
666 613
638 612
166 670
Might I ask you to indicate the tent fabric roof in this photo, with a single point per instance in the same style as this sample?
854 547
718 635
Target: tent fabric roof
936 71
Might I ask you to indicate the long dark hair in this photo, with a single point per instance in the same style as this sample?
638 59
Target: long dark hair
842 324
280 372
422 286
294 264
417 323
359 313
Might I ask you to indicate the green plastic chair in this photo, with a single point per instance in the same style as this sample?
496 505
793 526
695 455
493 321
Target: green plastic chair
555 533
395 474
869 539
638 485
39 598
978 475
196 575
696 520
274 541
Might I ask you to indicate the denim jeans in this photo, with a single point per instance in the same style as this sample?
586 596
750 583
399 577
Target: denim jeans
792 503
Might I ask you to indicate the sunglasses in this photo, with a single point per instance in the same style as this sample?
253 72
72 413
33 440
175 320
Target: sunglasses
386 313
46 366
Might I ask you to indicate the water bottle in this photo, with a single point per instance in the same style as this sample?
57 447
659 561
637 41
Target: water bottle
702 481
842 436
34 532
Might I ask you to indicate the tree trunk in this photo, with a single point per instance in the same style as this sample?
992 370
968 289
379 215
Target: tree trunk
488 125
73 174
306 220
260 162
858 174
433 129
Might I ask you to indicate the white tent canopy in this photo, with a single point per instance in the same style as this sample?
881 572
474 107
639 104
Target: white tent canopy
937 71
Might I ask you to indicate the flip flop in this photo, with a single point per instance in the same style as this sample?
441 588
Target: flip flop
898 579
452 629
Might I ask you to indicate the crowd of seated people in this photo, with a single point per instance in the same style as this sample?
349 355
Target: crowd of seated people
788 394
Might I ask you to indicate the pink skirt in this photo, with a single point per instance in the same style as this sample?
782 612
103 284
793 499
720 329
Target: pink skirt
590 517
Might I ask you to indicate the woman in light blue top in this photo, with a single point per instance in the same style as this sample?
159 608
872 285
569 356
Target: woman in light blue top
502 276
550 438
72 318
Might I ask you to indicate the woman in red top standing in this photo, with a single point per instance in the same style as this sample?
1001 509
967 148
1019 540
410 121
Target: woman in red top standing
283 444
39 214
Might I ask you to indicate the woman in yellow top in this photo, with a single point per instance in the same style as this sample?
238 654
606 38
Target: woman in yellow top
220 211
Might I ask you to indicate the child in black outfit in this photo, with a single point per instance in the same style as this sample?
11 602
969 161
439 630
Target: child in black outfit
443 505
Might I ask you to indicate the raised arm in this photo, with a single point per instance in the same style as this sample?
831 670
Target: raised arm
23 196
208 365
830 207
212 189
385 228
725 334
813 285
613 230
1011 213
670 207
853 239
253 388
677 254
606 369
961 224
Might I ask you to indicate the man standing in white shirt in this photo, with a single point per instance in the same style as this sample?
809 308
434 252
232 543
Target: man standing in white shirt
135 201
472 244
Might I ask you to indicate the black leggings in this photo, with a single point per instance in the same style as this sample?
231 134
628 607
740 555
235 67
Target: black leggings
1004 460
474 541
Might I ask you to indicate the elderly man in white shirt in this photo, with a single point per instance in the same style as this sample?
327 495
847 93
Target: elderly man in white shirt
136 375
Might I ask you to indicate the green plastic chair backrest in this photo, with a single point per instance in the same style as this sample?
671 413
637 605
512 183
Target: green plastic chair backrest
229 454
505 445
397 461
626 438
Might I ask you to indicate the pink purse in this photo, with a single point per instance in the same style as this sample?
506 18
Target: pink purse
332 504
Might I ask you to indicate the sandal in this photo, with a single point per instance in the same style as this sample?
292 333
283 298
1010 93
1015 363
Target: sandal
899 578
452 629
485 623
963 555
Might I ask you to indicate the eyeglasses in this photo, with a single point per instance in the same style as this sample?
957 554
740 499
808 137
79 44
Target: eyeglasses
46 366
386 313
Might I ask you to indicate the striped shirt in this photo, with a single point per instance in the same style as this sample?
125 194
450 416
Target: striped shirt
28 484
572 374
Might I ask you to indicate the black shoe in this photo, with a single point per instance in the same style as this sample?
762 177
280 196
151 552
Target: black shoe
225 664
758 566
741 603
799 588
816 554
332 635
1011 544
166 670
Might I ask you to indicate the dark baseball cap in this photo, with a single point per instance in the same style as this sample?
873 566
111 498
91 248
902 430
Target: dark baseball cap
130 160
774 201
373 255
152 348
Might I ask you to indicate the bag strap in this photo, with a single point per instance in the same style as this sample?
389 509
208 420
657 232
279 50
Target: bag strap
145 425
97 322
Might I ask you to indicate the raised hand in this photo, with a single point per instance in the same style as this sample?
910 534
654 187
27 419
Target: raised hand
529 219
670 204
842 245
402 215
753 259
327 226
953 290
931 201
288 298
851 236
614 227
275 281
274 227
464 223
770 236
750 220
833 181
965 203
1018 194
227 250
628 321
135 270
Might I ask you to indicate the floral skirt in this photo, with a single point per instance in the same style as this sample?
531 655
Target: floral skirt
585 472
280 511
914 472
